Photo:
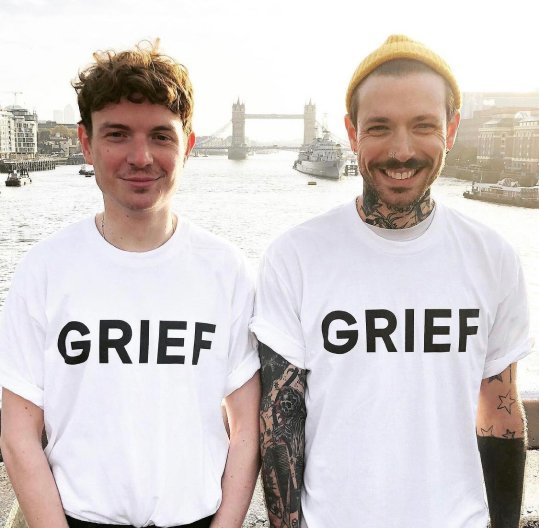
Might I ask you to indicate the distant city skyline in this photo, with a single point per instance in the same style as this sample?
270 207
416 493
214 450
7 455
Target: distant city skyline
65 116
274 56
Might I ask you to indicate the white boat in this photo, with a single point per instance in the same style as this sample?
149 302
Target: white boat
87 170
506 191
18 178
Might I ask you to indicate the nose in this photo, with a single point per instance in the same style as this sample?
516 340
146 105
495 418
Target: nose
139 154
402 146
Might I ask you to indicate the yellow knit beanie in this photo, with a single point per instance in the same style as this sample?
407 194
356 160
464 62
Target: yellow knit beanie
402 47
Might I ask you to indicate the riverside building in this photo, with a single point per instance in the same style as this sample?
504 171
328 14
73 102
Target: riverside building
513 139
18 132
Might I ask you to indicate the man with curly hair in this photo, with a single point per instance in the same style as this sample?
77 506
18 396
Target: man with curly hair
123 333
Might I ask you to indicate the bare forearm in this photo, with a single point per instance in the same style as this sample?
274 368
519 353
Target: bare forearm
282 427
243 461
34 485
238 482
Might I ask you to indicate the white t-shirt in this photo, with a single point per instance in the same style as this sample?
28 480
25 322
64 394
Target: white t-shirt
130 355
396 338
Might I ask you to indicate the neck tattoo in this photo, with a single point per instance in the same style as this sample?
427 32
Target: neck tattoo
373 211
173 226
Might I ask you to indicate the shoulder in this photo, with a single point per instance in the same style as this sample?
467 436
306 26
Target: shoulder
482 247
203 240
214 248
309 236
58 250
55 246
470 230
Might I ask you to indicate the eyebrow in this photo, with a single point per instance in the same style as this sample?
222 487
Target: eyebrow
119 126
427 117
376 119
164 128
385 120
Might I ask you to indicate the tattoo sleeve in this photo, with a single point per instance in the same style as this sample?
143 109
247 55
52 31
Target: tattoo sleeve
501 438
282 437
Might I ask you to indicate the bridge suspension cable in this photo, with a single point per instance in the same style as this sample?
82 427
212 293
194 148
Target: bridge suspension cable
213 135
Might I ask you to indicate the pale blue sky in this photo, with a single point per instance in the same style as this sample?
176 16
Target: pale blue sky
274 55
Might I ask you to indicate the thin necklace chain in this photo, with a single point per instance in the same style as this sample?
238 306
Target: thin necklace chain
105 238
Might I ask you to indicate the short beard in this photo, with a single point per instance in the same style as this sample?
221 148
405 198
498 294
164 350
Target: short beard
372 196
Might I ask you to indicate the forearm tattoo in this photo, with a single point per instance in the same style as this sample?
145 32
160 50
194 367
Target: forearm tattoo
507 403
501 441
282 437
376 213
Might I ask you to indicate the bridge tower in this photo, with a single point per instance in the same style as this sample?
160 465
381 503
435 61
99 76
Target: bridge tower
238 149
309 123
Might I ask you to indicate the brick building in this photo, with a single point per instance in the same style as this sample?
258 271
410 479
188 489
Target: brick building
511 140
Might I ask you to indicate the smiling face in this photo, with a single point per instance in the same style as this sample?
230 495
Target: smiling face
138 152
401 135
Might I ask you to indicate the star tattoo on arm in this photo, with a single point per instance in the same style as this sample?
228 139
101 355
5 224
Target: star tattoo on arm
506 402
509 434
501 441
487 432
497 377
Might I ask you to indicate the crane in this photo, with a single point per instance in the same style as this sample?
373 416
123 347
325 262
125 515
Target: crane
15 93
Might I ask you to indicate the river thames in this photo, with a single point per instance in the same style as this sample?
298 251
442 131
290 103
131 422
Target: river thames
248 202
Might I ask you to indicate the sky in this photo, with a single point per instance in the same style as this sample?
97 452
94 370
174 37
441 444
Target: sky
274 56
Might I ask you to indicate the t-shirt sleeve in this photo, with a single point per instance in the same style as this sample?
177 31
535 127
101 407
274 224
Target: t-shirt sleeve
243 359
22 339
276 321
509 337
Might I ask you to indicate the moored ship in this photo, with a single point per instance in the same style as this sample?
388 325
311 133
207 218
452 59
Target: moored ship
323 157
507 192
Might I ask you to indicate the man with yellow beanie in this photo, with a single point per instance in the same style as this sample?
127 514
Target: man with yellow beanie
390 328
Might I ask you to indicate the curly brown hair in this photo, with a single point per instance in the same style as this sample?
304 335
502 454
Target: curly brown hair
138 75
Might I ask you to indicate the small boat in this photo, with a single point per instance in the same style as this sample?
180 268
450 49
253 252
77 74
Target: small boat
18 178
87 170
506 191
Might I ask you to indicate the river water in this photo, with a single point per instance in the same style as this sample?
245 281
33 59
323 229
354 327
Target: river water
249 202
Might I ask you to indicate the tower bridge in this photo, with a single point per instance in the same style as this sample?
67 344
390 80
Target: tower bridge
238 148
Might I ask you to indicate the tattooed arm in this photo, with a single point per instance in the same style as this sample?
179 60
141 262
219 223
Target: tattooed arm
282 438
501 437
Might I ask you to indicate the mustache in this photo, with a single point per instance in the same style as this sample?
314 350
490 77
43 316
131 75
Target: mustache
395 164
143 171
